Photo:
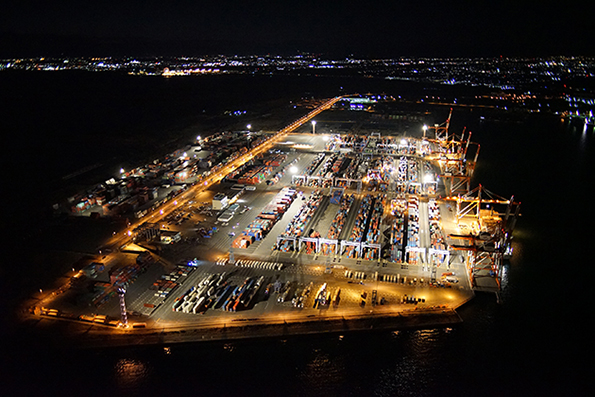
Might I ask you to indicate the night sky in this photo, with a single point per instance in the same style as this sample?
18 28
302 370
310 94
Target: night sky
337 28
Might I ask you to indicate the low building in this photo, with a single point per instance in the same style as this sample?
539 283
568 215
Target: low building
220 201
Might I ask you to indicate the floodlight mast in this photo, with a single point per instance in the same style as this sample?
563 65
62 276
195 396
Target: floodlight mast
123 315
232 260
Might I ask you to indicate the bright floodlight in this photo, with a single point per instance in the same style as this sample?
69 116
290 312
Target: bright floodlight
425 127
249 126
428 178
403 142
121 170
293 170
198 138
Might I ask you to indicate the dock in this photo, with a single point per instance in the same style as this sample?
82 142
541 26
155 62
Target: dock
386 221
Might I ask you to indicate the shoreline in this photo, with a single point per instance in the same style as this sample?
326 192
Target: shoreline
76 334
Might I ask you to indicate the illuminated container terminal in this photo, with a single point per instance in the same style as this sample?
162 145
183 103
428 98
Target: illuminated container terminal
347 221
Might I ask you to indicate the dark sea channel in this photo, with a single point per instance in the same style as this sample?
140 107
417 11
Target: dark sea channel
537 341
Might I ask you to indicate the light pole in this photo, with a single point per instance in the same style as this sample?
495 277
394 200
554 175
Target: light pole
425 128
231 257
123 315
313 126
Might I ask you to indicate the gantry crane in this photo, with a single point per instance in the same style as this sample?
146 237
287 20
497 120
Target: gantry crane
486 222
456 161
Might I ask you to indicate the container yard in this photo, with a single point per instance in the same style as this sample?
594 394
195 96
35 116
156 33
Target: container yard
295 224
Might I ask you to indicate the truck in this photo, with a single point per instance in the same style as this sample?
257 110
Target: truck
337 297
198 304
451 279
284 294
222 297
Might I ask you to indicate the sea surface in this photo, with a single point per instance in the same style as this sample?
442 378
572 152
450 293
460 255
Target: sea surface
537 341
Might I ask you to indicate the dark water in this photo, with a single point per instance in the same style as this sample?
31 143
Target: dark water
537 342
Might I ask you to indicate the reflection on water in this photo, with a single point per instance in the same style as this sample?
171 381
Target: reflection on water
323 374
130 374
583 133
416 356
583 140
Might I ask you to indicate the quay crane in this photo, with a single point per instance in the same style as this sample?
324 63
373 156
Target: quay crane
492 217
488 243
457 163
